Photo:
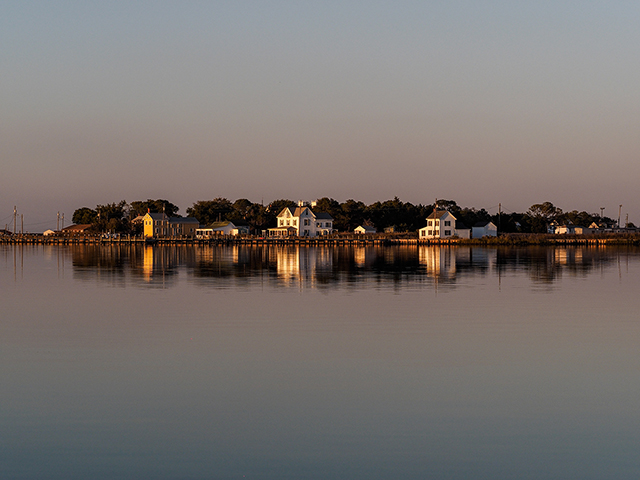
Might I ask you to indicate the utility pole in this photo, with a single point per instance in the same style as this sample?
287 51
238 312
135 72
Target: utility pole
15 211
499 215
58 223
22 224
63 221
619 213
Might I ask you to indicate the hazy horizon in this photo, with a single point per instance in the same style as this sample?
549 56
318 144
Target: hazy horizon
477 102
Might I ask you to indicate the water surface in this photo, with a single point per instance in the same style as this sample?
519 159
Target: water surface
313 363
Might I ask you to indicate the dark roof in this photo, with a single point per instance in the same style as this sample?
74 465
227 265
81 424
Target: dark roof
323 216
162 216
183 220
439 214
461 226
482 223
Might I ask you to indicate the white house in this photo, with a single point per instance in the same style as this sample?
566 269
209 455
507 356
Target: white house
303 222
362 229
571 229
221 228
442 224
484 229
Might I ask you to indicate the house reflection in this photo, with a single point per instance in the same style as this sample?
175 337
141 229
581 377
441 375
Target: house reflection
160 264
448 262
297 263
332 267
440 261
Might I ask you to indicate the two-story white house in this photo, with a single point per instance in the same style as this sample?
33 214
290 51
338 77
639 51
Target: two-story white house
303 222
442 224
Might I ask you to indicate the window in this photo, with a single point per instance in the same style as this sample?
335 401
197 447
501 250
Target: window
422 233
447 233
447 223
281 222
437 223
429 224
288 222
295 223
430 232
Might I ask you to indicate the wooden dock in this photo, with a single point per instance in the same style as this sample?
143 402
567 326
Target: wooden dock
329 241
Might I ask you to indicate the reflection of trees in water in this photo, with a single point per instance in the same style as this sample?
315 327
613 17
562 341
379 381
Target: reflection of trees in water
325 267
548 264
117 261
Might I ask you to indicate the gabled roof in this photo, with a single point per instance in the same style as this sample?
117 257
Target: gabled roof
77 228
439 214
158 216
483 223
300 210
461 226
284 211
323 216
215 225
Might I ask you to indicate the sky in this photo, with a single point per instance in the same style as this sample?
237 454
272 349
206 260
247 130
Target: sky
481 102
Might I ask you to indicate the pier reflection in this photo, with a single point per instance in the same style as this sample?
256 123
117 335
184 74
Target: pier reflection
327 267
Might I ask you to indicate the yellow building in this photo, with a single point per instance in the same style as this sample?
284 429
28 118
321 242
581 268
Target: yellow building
158 225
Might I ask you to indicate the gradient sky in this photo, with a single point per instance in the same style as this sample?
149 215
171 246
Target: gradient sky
477 101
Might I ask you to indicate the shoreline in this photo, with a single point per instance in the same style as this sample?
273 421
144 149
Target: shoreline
345 240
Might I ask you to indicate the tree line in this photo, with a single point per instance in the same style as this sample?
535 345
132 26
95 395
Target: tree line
401 216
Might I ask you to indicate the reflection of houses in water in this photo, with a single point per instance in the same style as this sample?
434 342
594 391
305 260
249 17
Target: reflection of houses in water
161 262
439 260
287 262
448 261
568 256
365 257
297 263
147 262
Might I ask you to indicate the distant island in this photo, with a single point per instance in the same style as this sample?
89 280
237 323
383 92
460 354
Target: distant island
391 216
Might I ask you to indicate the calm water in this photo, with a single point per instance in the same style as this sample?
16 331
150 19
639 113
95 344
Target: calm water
313 363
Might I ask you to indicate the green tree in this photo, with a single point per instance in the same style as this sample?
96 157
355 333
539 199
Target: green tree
240 210
352 215
541 215
154 206
84 216
112 217
210 211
